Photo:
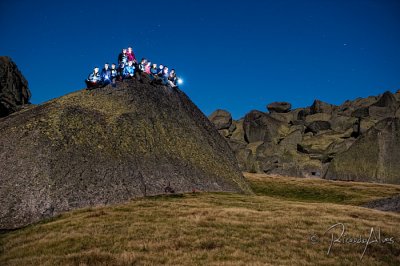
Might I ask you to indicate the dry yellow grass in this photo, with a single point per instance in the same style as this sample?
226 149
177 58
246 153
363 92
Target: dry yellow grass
211 229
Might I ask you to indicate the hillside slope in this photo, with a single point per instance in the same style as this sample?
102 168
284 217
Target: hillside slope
107 146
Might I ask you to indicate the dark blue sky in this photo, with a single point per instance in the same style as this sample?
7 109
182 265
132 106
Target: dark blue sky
236 55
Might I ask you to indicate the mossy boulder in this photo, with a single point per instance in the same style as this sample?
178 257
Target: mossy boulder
259 126
279 107
321 107
221 119
318 117
238 133
14 91
108 146
374 157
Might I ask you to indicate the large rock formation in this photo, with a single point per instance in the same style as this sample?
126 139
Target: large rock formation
307 141
374 157
14 92
221 119
279 107
106 147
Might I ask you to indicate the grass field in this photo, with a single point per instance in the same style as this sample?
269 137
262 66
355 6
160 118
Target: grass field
283 224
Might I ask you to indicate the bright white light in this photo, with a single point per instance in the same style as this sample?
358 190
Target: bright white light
180 81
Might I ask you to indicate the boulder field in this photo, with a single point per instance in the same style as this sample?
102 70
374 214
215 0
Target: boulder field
357 140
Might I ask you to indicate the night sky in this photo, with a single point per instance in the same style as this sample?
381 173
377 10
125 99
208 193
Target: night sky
235 55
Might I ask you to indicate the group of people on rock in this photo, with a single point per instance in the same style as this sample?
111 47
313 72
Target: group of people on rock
129 68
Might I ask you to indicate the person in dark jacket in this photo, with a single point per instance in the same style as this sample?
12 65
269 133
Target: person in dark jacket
165 75
94 80
139 70
114 75
172 79
106 75
121 69
160 71
123 57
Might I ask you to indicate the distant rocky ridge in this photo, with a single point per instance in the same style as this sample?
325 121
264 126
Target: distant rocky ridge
108 146
358 140
14 91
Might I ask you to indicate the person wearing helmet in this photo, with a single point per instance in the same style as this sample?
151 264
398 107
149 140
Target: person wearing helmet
106 75
131 55
114 75
129 71
123 57
94 80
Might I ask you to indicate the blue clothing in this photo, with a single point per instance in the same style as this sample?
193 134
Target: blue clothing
153 71
165 78
94 77
105 74
129 71
160 72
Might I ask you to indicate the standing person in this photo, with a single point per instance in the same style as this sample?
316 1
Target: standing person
129 71
106 75
94 80
131 56
123 57
114 75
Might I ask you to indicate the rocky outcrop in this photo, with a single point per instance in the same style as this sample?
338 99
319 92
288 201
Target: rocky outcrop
305 142
321 107
391 204
259 126
279 107
106 147
374 157
221 119
14 91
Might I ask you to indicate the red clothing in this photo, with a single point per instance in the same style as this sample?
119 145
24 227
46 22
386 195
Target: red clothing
131 56
147 69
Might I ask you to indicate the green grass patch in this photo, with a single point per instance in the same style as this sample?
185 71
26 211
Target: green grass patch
319 190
